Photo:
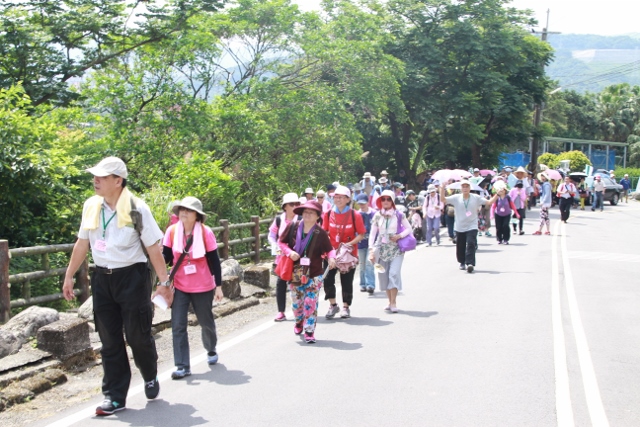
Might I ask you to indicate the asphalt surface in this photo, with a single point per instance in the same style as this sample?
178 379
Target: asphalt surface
543 333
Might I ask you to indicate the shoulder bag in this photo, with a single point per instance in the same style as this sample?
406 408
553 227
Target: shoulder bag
407 243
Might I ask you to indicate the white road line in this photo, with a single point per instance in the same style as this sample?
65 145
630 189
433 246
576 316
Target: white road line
90 411
590 382
564 411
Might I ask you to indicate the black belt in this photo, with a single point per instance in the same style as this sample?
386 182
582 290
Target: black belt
105 270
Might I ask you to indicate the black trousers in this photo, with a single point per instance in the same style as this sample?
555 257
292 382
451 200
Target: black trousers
565 208
123 299
503 232
523 215
281 294
466 243
346 282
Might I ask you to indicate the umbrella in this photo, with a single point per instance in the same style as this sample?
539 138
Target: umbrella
553 174
456 186
444 175
485 172
578 174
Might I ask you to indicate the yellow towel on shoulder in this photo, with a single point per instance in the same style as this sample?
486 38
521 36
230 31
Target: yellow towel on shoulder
91 218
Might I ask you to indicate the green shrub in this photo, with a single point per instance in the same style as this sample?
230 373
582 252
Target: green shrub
549 159
578 160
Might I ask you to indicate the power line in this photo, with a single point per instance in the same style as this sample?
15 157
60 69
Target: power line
625 69
614 69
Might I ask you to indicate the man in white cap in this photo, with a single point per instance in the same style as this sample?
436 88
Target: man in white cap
626 185
466 207
476 178
120 284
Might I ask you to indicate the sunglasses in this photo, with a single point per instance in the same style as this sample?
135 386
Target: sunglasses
386 199
293 204
320 197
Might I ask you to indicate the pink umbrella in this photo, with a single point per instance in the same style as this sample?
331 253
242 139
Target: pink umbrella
553 174
485 172
444 175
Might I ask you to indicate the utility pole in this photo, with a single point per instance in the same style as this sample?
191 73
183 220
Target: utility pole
537 117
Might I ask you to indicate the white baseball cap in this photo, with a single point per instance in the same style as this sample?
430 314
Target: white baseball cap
109 166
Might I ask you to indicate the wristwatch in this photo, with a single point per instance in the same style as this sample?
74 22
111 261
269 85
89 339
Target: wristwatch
166 283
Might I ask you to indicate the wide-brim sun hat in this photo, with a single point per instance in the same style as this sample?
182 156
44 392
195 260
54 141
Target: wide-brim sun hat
289 198
543 174
386 193
308 190
309 204
192 203
520 170
398 185
366 175
431 188
383 180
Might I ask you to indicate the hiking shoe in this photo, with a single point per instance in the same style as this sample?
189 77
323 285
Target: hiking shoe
469 268
345 313
521 233
487 234
462 267
363 289
547 233
309 337
438 243
152 388
506 242
297 328
212 358
370 290
333 310
280 317
108 407
180 373
499 242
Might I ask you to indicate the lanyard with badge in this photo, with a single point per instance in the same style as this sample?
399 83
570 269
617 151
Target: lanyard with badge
466 205
189 268
101 244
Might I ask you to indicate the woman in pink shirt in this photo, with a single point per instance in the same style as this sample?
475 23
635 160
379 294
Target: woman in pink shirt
289 203
196 279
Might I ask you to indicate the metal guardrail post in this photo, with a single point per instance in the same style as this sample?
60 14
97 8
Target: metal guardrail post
5 294
224 236
256 233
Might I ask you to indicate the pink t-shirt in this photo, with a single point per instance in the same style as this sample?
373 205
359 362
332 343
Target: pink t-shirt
201 280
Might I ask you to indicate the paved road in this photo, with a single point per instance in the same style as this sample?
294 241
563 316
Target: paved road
544 333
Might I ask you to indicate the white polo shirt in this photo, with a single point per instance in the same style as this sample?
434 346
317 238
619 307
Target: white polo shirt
123 244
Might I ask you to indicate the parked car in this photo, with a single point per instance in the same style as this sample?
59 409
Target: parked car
611 189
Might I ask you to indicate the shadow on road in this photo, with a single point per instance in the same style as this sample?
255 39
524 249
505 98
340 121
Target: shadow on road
366 321
221 375
158 411
337 345
416 313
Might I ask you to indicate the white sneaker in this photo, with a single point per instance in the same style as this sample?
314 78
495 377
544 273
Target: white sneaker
333 310
345 313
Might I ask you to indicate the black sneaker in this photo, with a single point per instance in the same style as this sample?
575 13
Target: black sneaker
469 268
152 388
108 407
462 267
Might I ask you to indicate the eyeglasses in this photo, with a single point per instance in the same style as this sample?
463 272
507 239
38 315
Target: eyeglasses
293 204
385 199
320 197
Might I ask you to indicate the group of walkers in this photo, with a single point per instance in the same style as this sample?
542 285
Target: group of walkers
316 238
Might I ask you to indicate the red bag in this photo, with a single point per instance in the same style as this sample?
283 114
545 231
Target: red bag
284 269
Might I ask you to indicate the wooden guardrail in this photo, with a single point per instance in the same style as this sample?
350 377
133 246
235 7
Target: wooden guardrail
83 290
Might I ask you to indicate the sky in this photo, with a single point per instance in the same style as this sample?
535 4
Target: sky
602 17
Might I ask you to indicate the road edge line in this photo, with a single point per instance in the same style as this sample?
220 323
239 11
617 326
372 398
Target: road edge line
564 410
589 380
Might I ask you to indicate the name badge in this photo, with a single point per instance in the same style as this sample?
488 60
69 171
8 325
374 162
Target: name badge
305 261
100 245
468 213
385 239
338 238
502 209
189 269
